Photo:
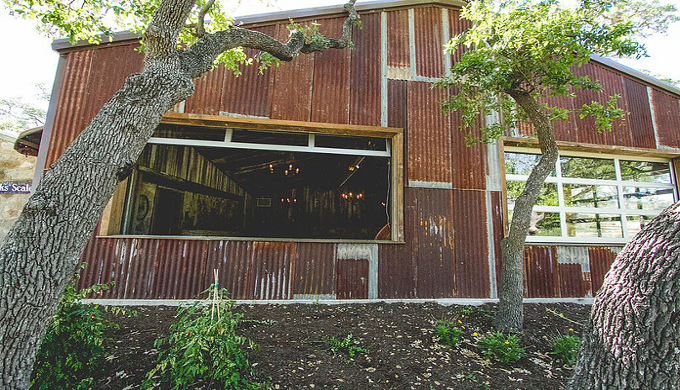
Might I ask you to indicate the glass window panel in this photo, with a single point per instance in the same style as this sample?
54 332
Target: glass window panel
189 132
637 198
269 137
635 223
588 168
543 224
342 142
593 225
521 163
584 195
548 196
645 171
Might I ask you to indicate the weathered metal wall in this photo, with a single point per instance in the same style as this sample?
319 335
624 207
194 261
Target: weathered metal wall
452 211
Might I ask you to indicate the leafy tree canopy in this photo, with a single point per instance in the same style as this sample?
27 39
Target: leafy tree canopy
17 115
531 47
647 16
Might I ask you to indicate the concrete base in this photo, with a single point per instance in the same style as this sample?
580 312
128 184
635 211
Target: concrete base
441 301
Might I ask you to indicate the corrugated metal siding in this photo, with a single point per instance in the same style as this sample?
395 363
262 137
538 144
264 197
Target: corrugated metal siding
469 163
571 281
667 116
470 244
291 96
429 45
456 27
233 259
396 270
273 264
497 215
429 138
315 269
207 97
541 272
432 241
352 279
365 71
330 96
639 114
398 53
601 260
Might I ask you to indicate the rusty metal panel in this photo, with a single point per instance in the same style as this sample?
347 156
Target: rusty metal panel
207 97
601 259
396 270
315 267
497 216
250 93
292 90
397 111
330 92
272 270
470 244
469 163
457 26
398 54
429 46
639 114
429 138
667 117
365 72
540 268
352 279
69 119
571 281
432 241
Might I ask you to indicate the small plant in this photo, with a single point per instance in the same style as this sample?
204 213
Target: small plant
347 345
566 348
473 378
76 341
501 347
449 332
203 348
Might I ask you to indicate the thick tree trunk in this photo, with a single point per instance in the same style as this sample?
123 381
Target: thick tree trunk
633 337
510 316
41 251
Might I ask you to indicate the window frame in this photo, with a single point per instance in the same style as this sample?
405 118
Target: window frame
559 181
112 218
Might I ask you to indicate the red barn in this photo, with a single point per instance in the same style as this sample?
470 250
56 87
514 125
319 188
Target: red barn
337 175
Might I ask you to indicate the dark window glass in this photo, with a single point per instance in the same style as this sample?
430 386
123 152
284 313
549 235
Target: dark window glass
269 137
341 142
189 132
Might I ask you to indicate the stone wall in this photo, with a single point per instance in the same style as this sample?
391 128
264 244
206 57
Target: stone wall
17 168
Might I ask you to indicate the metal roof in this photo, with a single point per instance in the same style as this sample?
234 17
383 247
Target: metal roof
635 73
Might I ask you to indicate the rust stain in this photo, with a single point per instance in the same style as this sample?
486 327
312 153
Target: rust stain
429 42
273 272
540 268
572 283
315 269
352 279
469 163
398 54
667 117
470 244
365 72
601 259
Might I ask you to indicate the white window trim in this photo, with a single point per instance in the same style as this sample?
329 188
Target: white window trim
619 184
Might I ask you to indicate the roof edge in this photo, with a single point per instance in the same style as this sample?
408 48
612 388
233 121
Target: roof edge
62 44
636 73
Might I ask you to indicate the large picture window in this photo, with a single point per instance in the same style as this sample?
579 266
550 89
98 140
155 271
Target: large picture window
263 180
591 198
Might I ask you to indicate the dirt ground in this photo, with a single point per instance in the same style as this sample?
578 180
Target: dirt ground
404 352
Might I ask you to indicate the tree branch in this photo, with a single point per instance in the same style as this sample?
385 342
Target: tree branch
200 27
161 36
199 58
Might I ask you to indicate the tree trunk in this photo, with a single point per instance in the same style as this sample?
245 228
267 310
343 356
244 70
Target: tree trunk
633 337
43 247
510 316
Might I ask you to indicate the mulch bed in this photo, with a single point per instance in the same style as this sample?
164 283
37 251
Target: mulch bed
404 352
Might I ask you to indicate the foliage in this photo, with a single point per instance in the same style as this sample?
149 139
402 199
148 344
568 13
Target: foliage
76 341
18 115
528 46
203 347
647 16
448 332
347 345
473 378
566 347
501 347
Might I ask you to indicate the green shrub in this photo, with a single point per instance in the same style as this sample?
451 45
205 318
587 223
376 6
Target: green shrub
347 345
449 332
566 348
75 343
501 347
203 348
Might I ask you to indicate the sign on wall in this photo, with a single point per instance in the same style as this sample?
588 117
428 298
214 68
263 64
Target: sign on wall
15 188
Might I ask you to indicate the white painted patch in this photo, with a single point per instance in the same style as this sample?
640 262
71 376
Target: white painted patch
430 184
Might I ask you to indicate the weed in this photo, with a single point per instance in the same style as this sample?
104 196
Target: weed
566 348
347 345
76 340
473 378
448 332
203 348
501 347
562 316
